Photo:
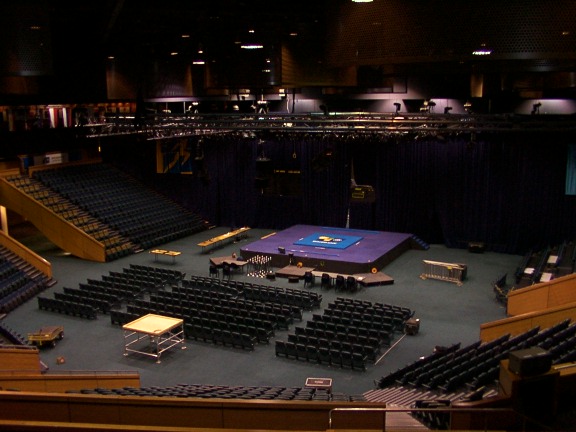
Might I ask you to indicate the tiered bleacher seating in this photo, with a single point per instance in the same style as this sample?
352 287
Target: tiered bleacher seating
19 281
117 200
9 336
546 264
116 245
477 365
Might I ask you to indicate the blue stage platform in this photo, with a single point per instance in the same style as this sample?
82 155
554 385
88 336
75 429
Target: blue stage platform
331 249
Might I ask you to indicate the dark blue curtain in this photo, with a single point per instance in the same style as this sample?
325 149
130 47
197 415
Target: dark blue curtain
506 190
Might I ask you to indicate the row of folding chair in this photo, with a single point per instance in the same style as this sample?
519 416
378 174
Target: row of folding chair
372 342
283 315
383 336
381 324
354 304
305 299
262 331
195 293
208 319
105 300
222 337
362 319
67 307
324 356
217 300
171 275
137 279
121 317
122 290
98 305
203 284
369 348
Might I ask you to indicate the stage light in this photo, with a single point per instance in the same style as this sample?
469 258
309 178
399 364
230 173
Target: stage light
447 109
536 108
482 51
397 105
428 106
468 107
251 46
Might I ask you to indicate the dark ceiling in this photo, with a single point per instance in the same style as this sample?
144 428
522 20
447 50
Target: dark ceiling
310 42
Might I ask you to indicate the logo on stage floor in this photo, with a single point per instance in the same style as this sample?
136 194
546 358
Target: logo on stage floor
328 240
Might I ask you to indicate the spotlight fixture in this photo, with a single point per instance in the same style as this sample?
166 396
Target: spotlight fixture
536 108
447 109
397 105
428 106
468 107
251 46
482 51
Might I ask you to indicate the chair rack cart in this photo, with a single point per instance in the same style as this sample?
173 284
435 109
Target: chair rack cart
449 272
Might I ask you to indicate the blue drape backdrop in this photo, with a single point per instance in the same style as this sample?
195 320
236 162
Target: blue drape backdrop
506 190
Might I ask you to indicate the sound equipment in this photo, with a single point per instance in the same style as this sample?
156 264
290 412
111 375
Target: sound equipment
530 361
476 247
281 250
412 326
362 194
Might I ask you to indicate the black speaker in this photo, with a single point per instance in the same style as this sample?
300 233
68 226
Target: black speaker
530 361
476 247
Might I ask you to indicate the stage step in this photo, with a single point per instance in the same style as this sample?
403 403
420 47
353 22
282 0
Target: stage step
418 243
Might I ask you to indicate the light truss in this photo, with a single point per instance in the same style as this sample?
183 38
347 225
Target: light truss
170 126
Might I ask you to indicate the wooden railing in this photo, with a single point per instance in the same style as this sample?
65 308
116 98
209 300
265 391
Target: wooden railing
59 231
26 254
183 412
522 323
545 295
19 359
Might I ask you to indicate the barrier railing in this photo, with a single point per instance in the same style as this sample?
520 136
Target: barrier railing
448 272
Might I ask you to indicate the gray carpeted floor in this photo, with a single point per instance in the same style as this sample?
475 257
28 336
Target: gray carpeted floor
448 314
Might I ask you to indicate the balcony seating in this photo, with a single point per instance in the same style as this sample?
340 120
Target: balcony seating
132 216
